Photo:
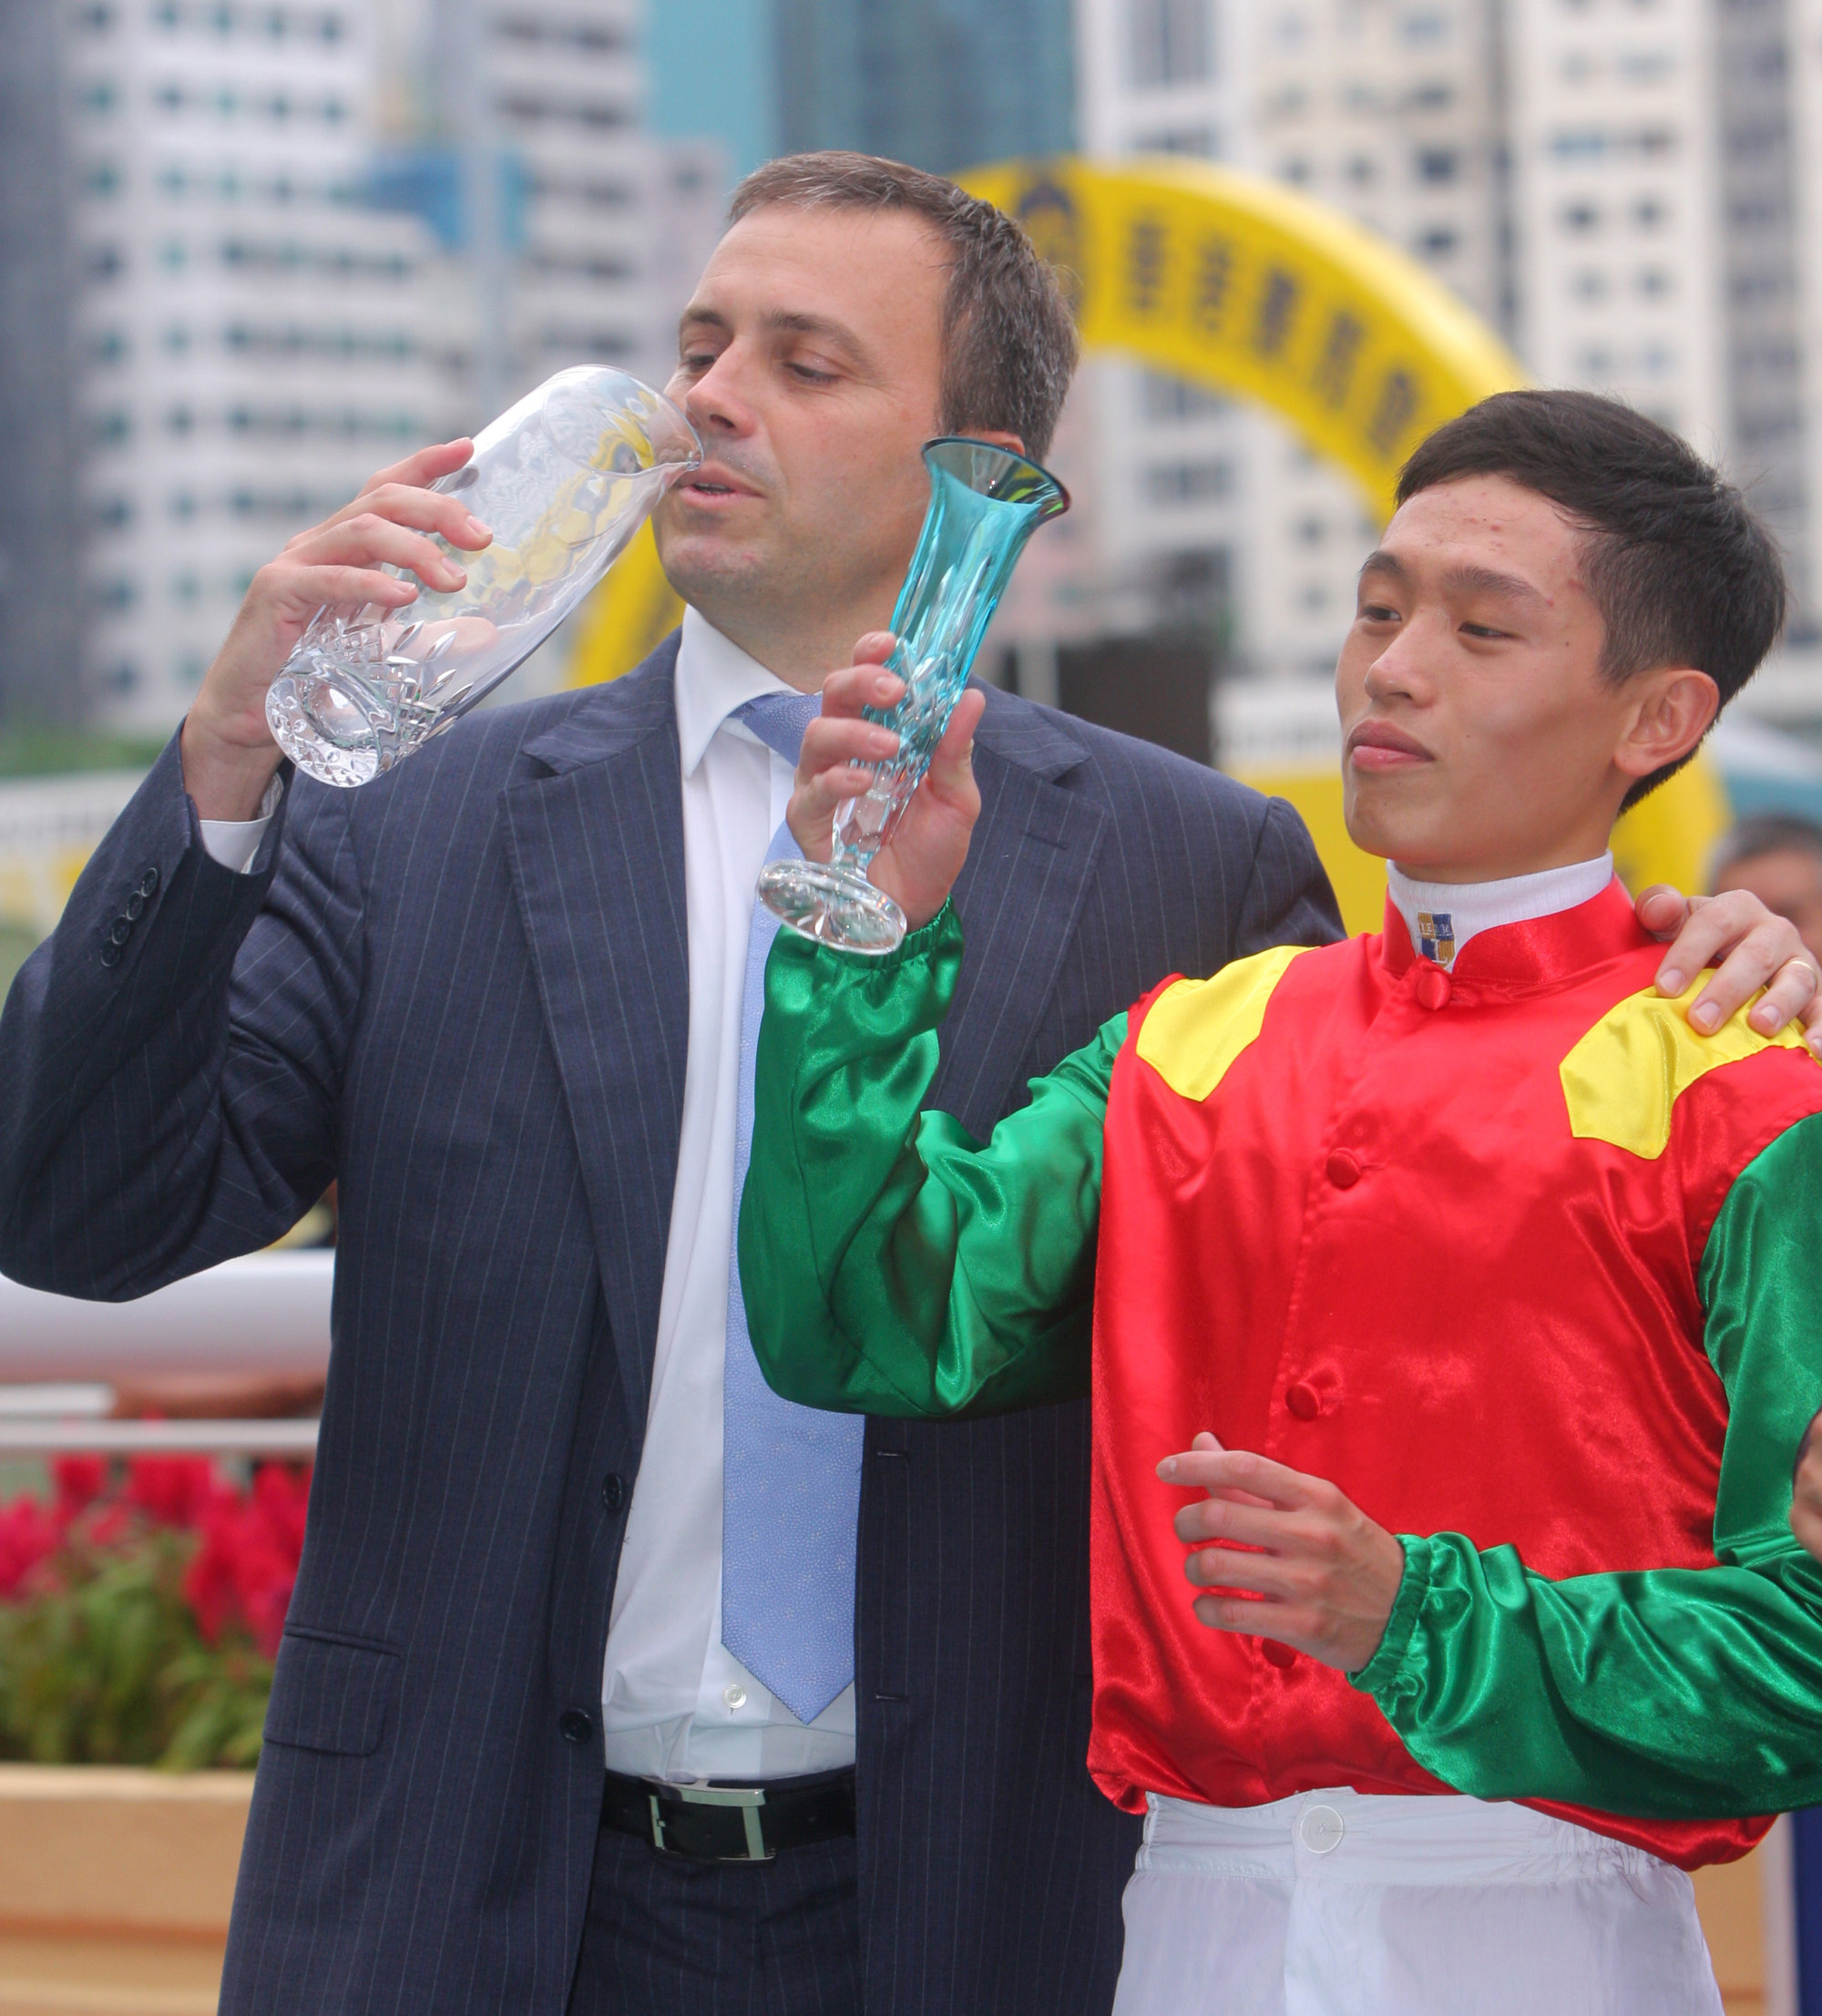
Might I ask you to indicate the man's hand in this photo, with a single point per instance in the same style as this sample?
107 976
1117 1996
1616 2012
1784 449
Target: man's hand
918 866
1756 948
1806 1505
1323 1576
229 754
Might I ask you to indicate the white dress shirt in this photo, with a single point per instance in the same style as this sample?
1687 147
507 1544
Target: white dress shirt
1472 907
675 1703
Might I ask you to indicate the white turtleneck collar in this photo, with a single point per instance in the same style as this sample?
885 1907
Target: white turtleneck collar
1442 917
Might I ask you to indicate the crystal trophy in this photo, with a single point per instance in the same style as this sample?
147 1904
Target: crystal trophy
563 480
985 503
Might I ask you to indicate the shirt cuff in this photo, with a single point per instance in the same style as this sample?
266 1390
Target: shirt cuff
234 841
1384 1676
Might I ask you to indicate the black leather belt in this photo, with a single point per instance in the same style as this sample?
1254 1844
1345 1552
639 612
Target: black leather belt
730 1822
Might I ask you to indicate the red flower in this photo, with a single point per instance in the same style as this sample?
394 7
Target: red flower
246 1566
80 1480
28 1535
172 1490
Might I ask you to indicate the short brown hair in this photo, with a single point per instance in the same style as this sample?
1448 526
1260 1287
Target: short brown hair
1680 568
1010 345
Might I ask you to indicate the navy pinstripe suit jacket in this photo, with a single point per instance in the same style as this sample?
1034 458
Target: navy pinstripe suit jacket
462 992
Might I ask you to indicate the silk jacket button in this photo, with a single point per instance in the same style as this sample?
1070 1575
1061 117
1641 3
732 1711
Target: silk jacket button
575 1726
1303 1402
1433 987
1284 1657
1344 1172
613 1491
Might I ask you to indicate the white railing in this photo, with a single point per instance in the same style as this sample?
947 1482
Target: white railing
267 1315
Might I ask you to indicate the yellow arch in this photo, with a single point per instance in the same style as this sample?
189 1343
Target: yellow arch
1260 293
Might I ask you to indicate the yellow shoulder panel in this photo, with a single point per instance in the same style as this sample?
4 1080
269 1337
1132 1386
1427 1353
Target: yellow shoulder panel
1193 1031
1624 1079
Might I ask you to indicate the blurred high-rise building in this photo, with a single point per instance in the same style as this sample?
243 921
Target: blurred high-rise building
292 239
942 84
40 555
1629 193
250 338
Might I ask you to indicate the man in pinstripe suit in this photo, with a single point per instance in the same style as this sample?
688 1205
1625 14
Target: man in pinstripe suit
512 1761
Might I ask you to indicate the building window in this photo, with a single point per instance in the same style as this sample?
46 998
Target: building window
1588 284
1169 41
1189 482
1437 164
1438 243
1580 216
1655 283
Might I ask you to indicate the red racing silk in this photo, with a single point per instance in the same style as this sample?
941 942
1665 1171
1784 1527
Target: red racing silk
1335 1182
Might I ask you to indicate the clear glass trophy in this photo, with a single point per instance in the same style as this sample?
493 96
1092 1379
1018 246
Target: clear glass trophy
564 479
985 503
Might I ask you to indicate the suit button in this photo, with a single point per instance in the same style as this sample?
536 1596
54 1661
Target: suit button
1303 1401
136 907
120 931
1434 988
613 1491
1344 1172
577 1726
110 955
1284 1657
148 883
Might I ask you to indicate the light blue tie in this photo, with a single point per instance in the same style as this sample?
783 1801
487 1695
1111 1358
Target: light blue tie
789 1474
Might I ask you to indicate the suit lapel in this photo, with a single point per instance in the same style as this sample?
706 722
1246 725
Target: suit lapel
596 841
1018 899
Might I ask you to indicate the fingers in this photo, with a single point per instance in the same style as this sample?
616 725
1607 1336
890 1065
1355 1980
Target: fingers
863 684
422 510
369 540
300 590
952 765
1663 911
835 765
1219 1470
1794 995
1756 960
1238 1524
1755 944
422 465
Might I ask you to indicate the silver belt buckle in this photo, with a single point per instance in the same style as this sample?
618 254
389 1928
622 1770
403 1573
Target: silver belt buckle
749 1798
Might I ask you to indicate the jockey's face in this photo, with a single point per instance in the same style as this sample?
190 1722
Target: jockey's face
1481 737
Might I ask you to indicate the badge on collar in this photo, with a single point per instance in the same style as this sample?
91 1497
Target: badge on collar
1436 936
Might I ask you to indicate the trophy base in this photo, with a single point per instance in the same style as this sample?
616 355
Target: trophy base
832 906
327 727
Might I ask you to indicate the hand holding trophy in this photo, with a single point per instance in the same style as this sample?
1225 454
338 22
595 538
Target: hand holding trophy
564 479
985 503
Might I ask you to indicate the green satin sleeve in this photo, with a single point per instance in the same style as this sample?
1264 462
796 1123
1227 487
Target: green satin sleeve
891 1264
1673 1693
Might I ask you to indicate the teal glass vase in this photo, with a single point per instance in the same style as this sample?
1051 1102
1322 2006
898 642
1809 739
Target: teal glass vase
985 503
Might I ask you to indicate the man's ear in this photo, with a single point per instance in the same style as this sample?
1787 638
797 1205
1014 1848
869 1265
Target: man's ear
997 436
1672 710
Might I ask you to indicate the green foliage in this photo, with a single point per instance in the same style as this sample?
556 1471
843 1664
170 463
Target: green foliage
45 749
102 1661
